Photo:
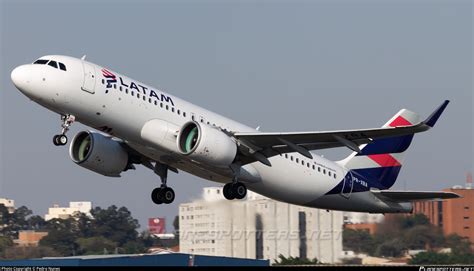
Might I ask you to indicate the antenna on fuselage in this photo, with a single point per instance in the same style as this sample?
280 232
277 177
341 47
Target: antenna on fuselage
83 57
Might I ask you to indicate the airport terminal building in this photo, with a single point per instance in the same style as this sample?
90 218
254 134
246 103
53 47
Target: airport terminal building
258 228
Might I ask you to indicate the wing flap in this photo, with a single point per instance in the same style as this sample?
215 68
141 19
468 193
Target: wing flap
404 196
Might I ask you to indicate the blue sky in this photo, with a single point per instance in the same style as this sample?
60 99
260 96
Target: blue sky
282 65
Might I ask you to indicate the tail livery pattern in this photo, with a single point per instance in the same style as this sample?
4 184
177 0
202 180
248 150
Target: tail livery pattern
380 161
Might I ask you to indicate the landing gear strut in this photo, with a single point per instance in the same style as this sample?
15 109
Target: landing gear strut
162 194
235 189
67 121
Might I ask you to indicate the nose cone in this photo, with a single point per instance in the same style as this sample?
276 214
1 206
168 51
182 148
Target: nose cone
21 77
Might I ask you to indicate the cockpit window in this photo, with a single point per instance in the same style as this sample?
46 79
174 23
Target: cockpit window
53 63
62 66
41 61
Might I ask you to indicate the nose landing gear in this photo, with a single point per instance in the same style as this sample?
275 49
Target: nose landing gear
67 121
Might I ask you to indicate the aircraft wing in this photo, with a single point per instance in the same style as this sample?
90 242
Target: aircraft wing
404 196
259 145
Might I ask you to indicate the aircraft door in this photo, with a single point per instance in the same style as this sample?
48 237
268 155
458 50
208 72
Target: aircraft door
89 77
347 185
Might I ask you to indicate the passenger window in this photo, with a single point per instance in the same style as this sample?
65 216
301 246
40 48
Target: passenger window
167 107
329 173
307 164
172 109
314 167
53 64
161 105
286 155
319 169
138 95
133 93
62 66
184 114
126 90
302 162
324 171
149 100
156 103
103 81
179 112
120 88
41 61
144 97
334 176
297 160
291 158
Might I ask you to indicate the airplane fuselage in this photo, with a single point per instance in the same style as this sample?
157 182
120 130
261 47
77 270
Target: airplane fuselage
120 106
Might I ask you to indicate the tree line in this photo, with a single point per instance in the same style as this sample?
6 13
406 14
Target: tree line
398 234
109 230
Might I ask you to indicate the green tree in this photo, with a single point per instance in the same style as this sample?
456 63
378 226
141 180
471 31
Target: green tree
431 257
282 260
176 224
132 247
62 235
423 237
458 244
12 223
36 222
95 245
391 248
357 240
5 242
115 224
19 252
414 220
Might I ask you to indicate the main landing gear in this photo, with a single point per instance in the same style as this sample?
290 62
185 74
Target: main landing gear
67 121
235 189
162 194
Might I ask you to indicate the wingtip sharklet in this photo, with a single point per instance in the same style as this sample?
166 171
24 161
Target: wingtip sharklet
433 118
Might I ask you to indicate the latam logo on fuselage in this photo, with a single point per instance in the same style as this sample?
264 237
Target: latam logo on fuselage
112 79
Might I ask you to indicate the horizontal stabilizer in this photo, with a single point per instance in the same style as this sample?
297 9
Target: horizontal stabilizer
404 196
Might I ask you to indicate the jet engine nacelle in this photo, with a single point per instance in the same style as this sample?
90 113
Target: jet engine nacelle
206 144
98 153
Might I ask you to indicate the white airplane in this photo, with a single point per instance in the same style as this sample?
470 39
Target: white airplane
140 124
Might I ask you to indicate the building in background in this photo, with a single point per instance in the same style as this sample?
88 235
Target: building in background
370 227
65 212
29 238
362 218
157 225
455 215
258 228
362 221
157 228
9 204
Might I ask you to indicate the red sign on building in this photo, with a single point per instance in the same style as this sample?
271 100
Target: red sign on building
157 225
